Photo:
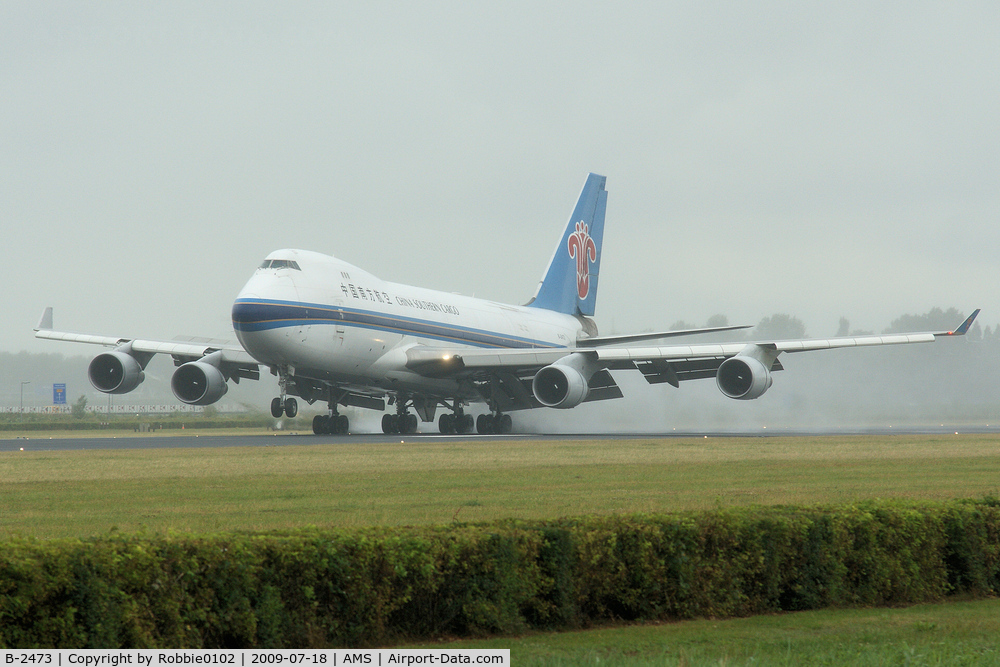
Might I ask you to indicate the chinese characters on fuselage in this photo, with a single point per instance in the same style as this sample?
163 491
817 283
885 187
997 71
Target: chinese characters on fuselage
360 292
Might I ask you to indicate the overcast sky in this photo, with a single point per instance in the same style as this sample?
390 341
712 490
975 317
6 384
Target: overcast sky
817 159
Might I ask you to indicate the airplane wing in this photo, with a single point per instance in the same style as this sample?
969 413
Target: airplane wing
231 357
658 364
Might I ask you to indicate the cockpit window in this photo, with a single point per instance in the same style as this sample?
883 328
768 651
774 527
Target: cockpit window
280 264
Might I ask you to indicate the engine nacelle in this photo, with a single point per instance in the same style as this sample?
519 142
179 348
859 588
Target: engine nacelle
743 378
559 386
198 383
115 372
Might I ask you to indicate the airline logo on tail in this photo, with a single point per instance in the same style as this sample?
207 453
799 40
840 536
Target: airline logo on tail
570 289
583 249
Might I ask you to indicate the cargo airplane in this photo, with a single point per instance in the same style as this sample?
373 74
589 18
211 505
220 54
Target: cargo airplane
334 333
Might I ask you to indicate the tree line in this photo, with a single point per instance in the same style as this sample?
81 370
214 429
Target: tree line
783 326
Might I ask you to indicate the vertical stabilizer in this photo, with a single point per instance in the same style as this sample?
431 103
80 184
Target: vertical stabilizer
570 281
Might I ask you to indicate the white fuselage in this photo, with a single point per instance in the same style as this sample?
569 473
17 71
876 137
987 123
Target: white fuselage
325 319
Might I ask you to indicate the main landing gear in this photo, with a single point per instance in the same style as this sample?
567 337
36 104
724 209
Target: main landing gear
399 423
403 421
494 423
333 424
458 422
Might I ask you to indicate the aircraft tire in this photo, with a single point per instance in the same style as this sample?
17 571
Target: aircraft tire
388 423
291 407
446 423
343 424
321 425
410 423
464 423
506 424
482 423
277 409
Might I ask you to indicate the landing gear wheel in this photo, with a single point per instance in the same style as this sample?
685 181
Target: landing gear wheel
446 423
463 423
409 423
389 424
342 424
321 425
291 407
277 409
494 424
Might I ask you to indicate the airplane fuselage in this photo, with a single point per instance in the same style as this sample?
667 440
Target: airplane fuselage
334 333
334 322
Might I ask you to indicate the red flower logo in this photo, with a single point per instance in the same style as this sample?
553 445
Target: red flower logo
584 250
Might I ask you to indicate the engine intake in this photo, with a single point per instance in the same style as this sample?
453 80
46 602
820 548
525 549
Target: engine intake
563 384
743 378
198 383
115 372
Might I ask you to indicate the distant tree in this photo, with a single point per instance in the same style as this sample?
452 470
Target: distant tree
845 327
210 412
934 320
681 324
717 321
779 326
79 407
976 332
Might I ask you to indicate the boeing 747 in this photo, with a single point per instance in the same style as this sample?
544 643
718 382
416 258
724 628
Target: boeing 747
333 333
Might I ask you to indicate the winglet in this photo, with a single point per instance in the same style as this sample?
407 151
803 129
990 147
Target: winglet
45 324
964 327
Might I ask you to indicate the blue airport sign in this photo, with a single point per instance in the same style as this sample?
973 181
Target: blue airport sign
59 394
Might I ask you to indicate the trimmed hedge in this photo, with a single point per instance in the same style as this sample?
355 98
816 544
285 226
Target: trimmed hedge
315 588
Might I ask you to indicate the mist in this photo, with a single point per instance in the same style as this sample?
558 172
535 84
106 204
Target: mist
948 383
807 158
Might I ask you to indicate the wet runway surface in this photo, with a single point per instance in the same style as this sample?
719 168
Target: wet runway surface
44 443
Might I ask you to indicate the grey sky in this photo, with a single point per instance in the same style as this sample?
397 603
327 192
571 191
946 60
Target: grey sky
818 159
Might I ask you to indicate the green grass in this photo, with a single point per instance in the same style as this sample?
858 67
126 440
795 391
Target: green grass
286 484
953 633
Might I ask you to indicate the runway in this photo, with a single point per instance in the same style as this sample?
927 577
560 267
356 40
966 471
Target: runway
141 441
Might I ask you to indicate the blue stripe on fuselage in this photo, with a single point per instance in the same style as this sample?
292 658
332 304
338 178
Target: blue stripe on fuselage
251 315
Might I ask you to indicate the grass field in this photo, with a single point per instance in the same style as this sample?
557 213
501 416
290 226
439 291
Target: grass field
288 482
952 633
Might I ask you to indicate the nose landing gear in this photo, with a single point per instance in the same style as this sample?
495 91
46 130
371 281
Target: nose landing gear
284 406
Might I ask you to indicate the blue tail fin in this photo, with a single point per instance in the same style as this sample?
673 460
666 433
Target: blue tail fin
570 283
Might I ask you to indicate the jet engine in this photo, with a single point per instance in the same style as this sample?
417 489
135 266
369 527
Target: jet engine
115 372
743 377
198 383
563 384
